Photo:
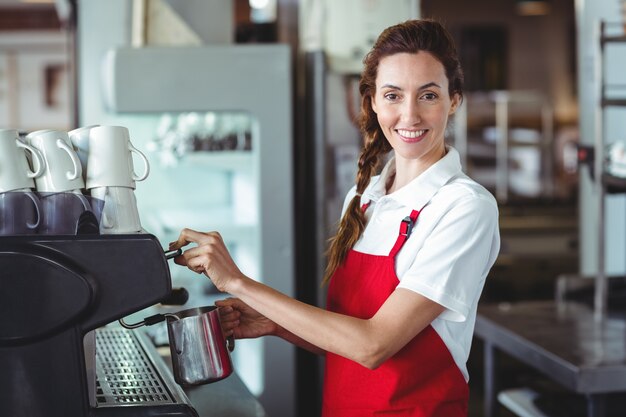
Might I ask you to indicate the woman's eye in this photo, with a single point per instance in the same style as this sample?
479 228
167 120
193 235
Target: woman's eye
391 96
429 96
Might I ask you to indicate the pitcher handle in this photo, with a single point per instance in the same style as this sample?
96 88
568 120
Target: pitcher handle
36 157
78 169
37 208
230 343
146 165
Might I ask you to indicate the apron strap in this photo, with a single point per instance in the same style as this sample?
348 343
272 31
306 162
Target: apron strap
406 226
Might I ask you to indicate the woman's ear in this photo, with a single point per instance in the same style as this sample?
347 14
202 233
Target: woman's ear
456 102
373 104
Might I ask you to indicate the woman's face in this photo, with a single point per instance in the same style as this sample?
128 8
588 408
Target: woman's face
412 105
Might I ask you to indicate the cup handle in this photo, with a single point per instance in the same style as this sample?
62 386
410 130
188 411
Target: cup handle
146 165
37 207
106 222
78 169
84 201
36 157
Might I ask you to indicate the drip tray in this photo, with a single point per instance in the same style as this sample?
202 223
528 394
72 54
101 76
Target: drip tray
129 372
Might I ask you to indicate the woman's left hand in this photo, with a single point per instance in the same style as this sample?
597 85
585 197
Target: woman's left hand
210 257
242 321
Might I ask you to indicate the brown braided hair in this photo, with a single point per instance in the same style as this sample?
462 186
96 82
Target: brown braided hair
409 37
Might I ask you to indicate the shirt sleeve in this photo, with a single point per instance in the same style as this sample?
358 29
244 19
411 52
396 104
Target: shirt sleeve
451 266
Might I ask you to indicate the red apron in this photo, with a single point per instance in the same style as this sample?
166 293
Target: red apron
421 380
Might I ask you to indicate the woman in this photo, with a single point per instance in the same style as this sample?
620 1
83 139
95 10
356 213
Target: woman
410 257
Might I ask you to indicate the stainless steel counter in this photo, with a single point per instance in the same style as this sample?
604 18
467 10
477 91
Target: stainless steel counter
562 340
226 398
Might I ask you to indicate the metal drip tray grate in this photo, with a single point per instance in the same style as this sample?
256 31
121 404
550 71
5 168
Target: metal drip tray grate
125 375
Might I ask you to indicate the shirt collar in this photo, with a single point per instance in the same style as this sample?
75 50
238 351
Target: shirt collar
420 191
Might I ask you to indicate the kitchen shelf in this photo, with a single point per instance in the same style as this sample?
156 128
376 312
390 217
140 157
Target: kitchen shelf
521 401
613 184
613 39
613 102
221 160
224 219
500 134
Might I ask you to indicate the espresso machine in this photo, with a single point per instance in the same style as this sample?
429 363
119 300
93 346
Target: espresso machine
54 290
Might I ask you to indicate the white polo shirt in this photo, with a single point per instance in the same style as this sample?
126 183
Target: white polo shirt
454 242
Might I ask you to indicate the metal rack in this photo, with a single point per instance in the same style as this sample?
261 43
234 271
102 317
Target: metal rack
497 108
605 182
125 372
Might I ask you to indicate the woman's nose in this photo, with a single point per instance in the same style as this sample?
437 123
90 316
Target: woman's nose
410 112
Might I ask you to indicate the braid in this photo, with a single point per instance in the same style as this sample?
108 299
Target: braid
352 223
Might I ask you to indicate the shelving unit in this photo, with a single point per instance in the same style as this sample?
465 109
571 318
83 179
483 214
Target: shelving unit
505 140
222 160
604 181
497 124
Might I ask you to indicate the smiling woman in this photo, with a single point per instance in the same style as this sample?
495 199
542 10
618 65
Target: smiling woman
410 257
402 44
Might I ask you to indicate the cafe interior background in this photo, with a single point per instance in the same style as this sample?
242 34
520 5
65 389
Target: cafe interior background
247 120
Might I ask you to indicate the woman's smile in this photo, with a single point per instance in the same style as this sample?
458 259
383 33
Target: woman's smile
411 136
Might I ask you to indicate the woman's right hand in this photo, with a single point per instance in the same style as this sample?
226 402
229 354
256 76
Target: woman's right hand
243 322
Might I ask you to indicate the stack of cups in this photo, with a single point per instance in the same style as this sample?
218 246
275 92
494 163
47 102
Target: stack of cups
20 209
110 175
80 141
60 183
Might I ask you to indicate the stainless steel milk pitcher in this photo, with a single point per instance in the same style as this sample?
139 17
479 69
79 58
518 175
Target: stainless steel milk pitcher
200 353
199 350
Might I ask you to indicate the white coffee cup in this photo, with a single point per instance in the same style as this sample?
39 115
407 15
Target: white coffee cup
20 212
119 213
62 211
80 141
62 170
110 160
15 173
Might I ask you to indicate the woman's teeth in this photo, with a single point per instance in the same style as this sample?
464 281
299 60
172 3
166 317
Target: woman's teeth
412 134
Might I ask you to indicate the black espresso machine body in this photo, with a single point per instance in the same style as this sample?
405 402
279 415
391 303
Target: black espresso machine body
55 289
